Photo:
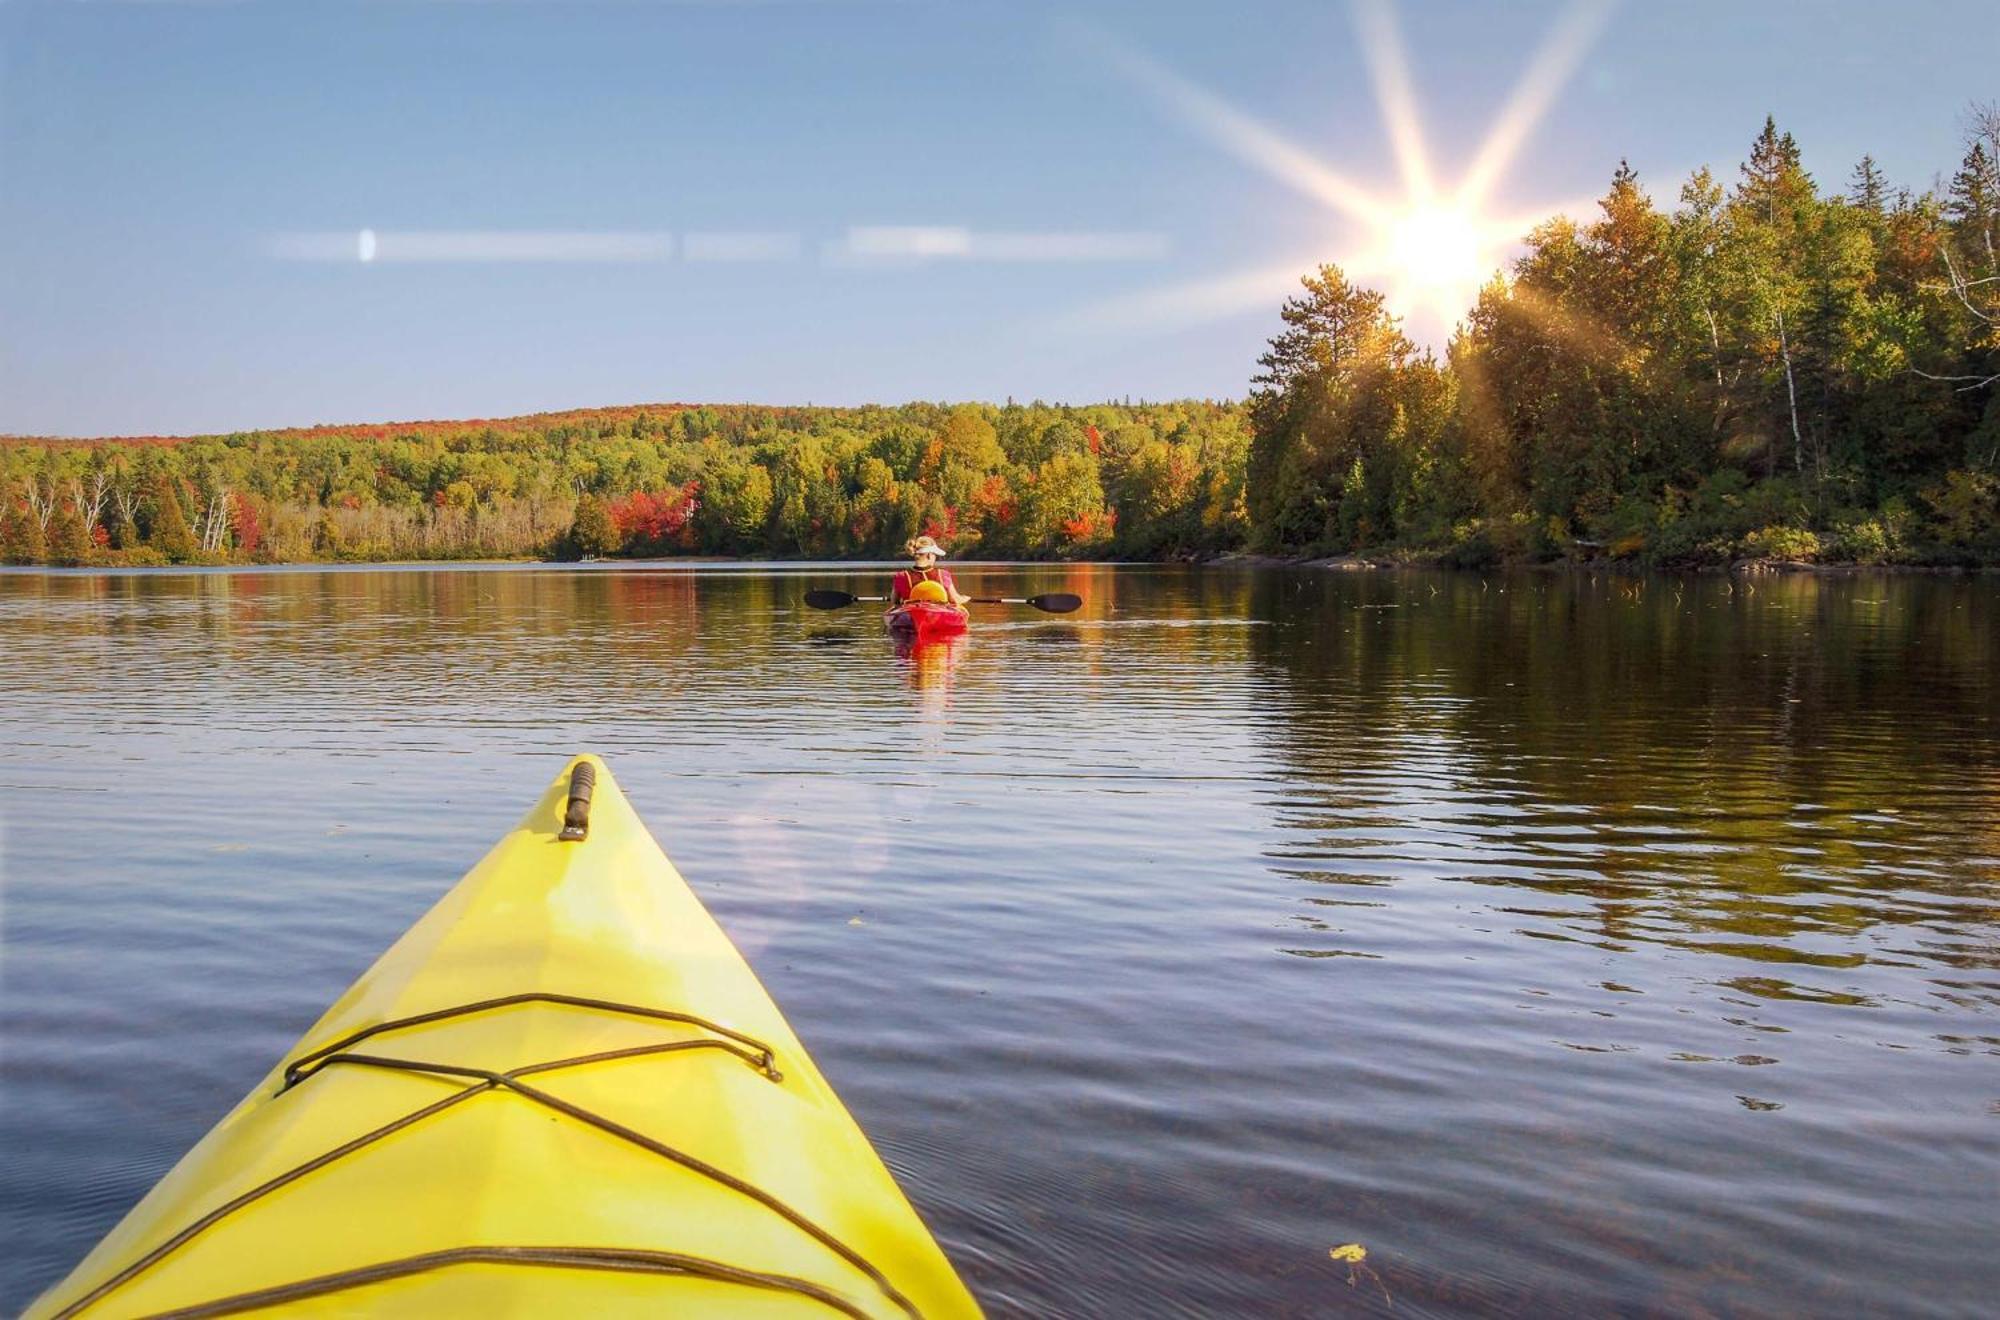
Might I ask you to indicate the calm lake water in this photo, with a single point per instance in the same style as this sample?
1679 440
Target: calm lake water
1575 945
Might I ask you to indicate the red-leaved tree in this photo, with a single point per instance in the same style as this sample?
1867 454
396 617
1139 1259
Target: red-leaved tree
656 522
245 523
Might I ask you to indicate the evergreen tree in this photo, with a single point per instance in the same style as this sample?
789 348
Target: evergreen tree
1771 216
1973 198
1774 177
118 525
1972 261
1866 190
167 526
1628 268
21 540
1325 394
592 531
68 539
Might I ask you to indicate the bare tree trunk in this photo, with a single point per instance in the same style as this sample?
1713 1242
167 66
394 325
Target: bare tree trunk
1962 288
215 522
1721 388
89 500
100 488
41 501
1714 343
1791 397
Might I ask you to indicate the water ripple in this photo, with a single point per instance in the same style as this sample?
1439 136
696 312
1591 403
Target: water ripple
1574 951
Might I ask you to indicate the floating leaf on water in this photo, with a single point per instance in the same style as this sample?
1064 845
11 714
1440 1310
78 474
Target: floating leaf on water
1355 1257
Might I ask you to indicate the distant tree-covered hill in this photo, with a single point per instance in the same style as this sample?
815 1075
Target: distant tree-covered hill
1015 480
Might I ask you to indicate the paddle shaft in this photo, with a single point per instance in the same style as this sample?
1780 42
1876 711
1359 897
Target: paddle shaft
1052 603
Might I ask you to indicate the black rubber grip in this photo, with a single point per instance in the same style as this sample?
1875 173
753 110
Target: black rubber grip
576 814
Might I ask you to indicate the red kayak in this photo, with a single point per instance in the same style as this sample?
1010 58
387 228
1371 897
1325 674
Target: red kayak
923 621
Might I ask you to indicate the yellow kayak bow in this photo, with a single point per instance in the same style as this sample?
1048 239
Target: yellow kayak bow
562 1092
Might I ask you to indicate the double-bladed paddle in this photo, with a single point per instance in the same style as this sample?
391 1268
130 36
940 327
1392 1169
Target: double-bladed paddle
1055 602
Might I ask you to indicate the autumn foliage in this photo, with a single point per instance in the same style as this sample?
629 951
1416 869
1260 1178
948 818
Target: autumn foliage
656 523
1020 480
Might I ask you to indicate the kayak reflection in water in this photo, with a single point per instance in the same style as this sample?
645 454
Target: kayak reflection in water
927 669
926 581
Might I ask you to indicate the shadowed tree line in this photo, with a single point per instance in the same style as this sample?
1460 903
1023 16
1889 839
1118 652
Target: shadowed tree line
1770 369
1035 481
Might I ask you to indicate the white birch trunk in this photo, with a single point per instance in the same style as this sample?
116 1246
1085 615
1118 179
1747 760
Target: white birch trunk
41 502
89 500
1791 397
215 522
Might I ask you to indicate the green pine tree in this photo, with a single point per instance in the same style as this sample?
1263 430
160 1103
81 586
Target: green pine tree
124 533
1775 182
591 532
1328 392
21 540
167 526
1973 199
1867 190
69 540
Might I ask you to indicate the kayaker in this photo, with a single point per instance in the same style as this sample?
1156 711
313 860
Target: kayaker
924 553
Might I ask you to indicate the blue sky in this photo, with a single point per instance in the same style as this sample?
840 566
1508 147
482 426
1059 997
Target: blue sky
922 200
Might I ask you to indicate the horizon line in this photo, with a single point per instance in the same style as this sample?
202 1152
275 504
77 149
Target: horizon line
11 437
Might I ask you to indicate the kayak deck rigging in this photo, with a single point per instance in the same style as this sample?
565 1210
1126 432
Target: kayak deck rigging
624 1260
302 1067
307 1066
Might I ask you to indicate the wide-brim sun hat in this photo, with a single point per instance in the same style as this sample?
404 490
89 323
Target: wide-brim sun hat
924 545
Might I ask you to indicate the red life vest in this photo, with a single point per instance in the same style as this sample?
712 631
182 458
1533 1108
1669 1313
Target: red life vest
909 577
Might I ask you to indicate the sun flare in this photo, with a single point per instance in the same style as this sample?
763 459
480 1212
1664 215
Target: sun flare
1429 251
1435 257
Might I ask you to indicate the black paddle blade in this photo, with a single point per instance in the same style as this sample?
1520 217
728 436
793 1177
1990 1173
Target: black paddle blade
1056 602
829 600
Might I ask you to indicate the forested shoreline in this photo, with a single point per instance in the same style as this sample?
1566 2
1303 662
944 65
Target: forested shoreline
1031 480
1769 370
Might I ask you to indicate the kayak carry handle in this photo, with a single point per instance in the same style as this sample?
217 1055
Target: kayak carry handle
576 812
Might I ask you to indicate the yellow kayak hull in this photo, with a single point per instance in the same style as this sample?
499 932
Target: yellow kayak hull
704 1168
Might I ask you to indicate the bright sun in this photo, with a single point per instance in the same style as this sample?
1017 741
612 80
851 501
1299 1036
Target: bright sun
1435 257
1431 249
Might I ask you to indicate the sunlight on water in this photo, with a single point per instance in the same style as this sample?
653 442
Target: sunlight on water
1570 944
